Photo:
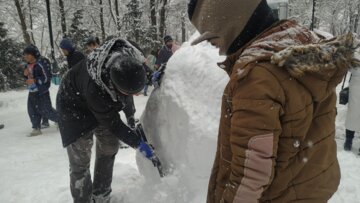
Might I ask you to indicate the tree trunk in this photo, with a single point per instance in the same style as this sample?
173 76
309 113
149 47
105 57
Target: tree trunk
22 22
356 18
31 23
153 18
117 15
183 28
312 26
111 13
102 21
63 19
162 26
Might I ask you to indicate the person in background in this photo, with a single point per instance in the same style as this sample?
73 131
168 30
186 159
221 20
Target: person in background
165 52
353 111
276 138
150 62
38 76
92 43
44 120
69 50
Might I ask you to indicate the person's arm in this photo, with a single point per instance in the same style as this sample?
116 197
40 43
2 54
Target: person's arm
129 111
255 131
160 58
108 117
40 74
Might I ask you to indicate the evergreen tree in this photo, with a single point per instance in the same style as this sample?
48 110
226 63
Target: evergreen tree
11 73
135 29
132 21
77 32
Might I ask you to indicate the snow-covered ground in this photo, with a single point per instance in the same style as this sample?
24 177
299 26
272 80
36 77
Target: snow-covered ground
35 169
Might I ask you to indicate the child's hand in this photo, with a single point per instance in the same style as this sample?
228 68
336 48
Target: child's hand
30 81
26 72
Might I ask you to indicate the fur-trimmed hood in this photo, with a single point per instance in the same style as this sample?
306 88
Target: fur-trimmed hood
97 59
339 52
318 63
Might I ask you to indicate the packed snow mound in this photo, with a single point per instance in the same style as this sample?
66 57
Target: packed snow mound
181 121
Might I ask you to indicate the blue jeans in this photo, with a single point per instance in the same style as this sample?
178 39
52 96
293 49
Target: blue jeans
146 89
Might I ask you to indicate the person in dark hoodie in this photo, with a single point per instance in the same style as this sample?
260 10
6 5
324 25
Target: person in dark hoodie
92 43
89 100
165 52
38 79
72 55
276 139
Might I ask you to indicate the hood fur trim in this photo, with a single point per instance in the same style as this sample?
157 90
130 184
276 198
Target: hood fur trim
340 52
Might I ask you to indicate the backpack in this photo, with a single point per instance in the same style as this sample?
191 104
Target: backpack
44 62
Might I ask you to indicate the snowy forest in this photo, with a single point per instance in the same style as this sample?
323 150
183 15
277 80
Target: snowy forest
139 103
143 21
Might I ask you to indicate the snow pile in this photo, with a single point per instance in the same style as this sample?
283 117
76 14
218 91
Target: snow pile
181 121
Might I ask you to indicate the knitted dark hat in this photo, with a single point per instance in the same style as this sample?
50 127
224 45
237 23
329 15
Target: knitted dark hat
168 38
32 50
92 40
67 45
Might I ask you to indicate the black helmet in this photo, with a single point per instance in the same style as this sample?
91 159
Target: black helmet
127 74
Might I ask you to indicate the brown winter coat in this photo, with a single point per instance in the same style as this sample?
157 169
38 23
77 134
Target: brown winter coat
276 136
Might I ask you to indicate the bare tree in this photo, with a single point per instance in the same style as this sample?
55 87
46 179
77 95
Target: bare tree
102 20
183 28
112 14
117 15
63 18
31 23
162 25
22 22
153 17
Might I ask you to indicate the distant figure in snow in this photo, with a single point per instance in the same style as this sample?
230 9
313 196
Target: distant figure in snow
72 55
89 100
353 111
92 43
166 51
150 62
2 126
276 139
38 79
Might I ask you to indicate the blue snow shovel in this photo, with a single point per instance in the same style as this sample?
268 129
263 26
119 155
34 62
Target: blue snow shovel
155 159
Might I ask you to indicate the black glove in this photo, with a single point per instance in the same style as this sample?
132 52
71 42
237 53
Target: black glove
131 122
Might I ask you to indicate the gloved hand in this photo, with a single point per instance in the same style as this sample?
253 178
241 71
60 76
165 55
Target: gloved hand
156 76
131 122
146 150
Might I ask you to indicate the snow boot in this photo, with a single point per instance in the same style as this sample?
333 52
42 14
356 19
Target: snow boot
35 132
349 139
45 125
123 145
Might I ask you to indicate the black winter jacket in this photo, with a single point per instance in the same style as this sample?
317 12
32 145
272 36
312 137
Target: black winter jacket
86 100
164 55
74 57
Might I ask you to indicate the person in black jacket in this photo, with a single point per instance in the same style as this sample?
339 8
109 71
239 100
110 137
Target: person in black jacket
89 100
165 52
72 55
